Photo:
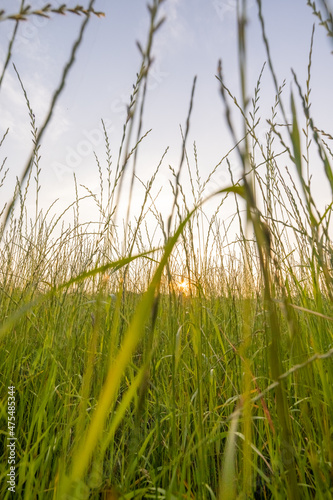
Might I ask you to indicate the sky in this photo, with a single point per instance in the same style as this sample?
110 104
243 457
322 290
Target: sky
195 35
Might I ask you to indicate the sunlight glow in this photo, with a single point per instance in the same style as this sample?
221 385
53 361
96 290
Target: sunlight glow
184 287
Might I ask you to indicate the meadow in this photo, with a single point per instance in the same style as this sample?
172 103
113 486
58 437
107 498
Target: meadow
178 363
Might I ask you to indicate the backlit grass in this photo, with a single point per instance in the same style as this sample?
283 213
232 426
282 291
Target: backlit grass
175 357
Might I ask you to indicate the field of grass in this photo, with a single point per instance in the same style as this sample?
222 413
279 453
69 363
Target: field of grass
188 365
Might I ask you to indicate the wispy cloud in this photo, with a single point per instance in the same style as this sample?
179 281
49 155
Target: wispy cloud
176 30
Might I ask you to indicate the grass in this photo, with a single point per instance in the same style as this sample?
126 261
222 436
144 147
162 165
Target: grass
177 364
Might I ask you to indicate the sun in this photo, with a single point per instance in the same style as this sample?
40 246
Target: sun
184 287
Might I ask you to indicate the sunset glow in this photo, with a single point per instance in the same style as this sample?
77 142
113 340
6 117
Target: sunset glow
184 287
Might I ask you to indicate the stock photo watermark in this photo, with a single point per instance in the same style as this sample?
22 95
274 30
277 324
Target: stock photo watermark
74 155
11 439
224 8
93 138
28 33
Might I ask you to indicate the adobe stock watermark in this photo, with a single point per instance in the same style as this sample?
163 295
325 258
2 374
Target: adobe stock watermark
84 490
266 134
224 177
74 155
91 139
11 439
29 30
287 453
156 77
224 8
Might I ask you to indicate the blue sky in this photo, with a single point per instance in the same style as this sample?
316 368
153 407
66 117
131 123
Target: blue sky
195 35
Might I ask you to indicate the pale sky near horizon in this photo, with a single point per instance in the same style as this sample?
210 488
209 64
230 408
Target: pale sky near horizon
195 35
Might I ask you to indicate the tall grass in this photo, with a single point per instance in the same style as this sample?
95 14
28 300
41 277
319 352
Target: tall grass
181 362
